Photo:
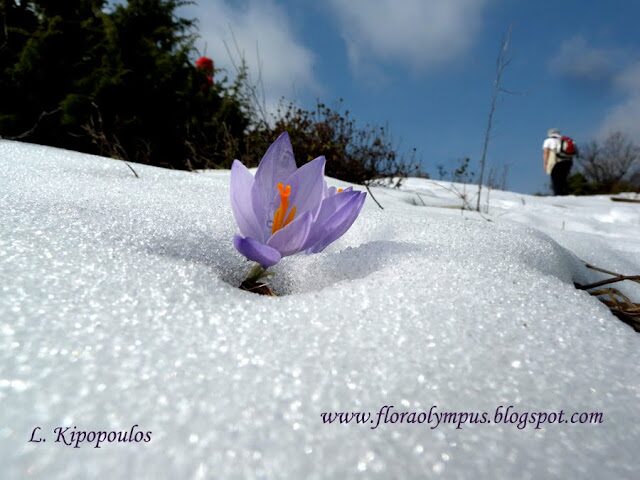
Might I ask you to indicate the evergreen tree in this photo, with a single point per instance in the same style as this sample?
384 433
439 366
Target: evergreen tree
49 52
118 83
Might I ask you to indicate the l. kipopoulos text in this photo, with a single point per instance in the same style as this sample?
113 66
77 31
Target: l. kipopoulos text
77 438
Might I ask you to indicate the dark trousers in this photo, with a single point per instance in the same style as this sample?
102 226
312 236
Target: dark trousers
559 176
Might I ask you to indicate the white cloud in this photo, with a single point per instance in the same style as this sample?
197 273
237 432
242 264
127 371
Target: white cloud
625 116
413 33
579 60
629 79
265 36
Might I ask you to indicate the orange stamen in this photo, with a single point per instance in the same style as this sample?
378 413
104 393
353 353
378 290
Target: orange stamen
279 220
339 190
290 217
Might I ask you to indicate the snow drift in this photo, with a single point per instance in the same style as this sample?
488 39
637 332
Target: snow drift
119 307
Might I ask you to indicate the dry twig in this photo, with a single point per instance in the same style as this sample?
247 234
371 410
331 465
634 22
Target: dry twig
374 198
619 304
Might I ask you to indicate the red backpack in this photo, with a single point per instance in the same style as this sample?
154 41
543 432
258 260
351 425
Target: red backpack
567 147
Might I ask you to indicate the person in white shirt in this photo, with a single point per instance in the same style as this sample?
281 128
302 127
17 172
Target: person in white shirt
556 165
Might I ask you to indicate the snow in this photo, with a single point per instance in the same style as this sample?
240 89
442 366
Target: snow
118 307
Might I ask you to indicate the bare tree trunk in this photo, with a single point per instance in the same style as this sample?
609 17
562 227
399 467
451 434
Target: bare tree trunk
502 63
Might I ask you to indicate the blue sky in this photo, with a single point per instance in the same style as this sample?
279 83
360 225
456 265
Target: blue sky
425 68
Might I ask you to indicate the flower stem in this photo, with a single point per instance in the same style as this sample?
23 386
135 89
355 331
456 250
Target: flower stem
256 273
253 282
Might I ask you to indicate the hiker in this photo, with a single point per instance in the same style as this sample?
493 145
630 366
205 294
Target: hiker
557 154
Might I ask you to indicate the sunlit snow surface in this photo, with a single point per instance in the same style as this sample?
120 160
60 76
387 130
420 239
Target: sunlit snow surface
118 307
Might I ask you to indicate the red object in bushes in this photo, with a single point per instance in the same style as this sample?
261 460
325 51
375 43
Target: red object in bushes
205 65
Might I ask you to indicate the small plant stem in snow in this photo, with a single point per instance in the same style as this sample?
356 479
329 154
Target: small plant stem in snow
254 281
374 198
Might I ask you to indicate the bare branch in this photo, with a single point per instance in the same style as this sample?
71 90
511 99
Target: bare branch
254 92
374 198
502 62
107 145
42 116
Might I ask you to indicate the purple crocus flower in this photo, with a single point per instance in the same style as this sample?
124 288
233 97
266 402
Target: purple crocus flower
285 210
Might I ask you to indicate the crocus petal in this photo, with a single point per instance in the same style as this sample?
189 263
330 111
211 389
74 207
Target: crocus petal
292 238
332 204
240 191
276 166
331 191
307 187
256 251
330 229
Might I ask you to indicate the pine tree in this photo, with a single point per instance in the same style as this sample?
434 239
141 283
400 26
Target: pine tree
50 65
118 83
